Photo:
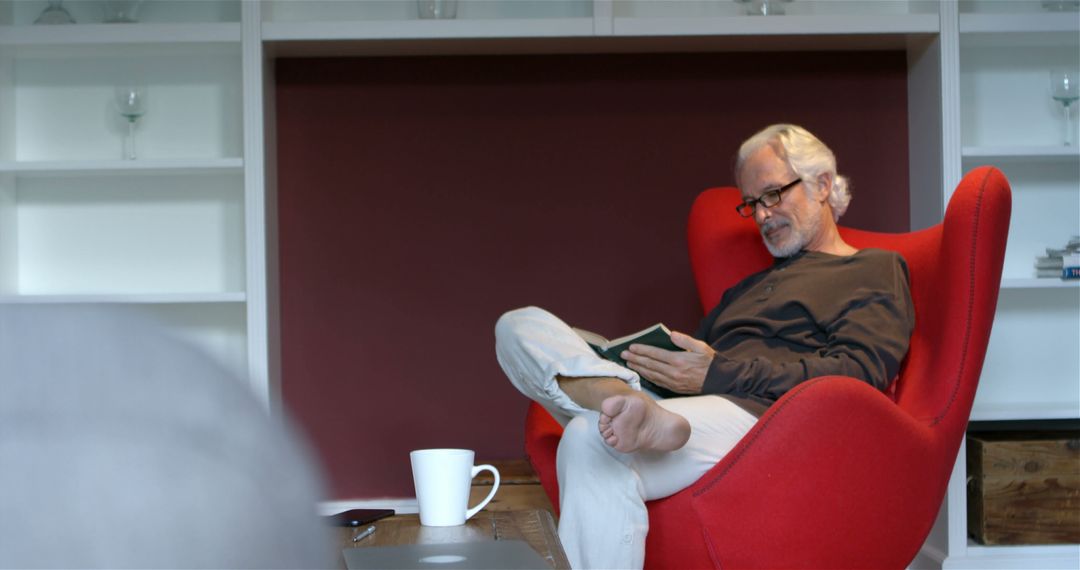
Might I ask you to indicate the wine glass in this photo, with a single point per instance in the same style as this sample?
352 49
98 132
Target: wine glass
121 11
763 7
1065 90
55 13
1061 5
131 104
439 9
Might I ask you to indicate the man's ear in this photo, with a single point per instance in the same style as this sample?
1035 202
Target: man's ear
824 186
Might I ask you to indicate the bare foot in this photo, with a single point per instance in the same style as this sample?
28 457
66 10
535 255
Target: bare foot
635 422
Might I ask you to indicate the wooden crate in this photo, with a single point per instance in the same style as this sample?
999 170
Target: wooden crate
1024 488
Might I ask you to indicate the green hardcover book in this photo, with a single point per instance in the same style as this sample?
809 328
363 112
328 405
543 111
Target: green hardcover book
657 335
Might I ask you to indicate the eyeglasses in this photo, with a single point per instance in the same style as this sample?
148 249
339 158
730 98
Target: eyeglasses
768 199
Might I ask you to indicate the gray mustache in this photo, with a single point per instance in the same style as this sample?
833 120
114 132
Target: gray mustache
770 226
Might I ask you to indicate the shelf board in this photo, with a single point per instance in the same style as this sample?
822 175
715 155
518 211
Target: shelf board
1020 23
127 298
580 35
1022 556
1027 153
1025 411
101 34
790 25
151 166
1038 283
427 29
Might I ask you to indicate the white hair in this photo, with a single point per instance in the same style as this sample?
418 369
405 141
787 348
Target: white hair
807 156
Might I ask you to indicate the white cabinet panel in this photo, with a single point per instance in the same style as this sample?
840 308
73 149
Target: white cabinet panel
130 234
1005 94
1032 365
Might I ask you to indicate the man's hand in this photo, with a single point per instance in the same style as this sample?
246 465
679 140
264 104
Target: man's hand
681 372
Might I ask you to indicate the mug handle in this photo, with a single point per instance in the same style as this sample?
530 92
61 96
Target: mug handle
476 471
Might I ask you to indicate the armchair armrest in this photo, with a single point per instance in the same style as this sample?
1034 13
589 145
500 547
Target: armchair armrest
813 471
542 435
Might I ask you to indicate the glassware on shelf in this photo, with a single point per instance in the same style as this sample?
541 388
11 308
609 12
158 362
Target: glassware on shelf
764 7
55 13
131 104
1065 90
437 9
121 11
1061 5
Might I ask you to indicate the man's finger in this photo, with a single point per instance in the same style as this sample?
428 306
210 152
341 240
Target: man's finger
687 342
651 352
652 368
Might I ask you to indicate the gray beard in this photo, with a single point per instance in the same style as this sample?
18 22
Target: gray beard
798 239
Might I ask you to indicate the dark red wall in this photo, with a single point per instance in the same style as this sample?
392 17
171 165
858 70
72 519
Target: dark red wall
422 197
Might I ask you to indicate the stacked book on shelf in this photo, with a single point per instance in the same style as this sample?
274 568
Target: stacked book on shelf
1063 263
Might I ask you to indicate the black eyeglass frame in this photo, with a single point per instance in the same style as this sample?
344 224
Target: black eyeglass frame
769 199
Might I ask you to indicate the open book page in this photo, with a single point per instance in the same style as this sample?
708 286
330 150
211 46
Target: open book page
594 340
657 335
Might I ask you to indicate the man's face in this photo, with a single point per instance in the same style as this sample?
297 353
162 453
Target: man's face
796 222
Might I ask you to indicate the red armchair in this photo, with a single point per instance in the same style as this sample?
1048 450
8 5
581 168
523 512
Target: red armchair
836 474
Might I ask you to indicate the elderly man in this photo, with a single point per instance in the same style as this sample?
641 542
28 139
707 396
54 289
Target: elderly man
648 431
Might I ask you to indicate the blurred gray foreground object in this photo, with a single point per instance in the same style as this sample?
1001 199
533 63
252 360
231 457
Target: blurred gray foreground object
121 446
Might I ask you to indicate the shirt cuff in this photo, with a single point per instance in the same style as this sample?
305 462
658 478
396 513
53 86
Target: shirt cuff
716 382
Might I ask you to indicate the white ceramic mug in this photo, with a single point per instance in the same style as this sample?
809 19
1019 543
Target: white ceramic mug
443 478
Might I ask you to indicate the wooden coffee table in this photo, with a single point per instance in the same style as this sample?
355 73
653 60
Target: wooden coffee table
536 527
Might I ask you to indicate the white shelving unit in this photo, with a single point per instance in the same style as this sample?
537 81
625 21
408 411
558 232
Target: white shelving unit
1006 118
164 235
186 233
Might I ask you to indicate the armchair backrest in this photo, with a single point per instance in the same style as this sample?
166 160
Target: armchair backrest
955 269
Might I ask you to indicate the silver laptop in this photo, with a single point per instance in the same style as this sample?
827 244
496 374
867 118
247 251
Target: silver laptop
482 555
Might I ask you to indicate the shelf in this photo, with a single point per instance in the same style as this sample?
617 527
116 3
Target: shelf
790 25
103 34
1026 153
278 11
1025 411
427 29
131 233
59 102
127 298
1067 551
1038 283
1045 557
1020 39
1004 89
166 167
1020 23
628 33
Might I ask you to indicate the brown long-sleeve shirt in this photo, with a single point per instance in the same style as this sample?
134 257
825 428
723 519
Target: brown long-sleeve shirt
809 315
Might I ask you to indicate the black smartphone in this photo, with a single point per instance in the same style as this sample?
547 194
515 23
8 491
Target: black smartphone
357 517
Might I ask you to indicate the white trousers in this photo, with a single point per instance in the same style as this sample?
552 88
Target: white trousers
602 492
